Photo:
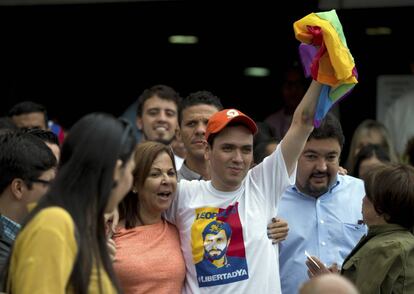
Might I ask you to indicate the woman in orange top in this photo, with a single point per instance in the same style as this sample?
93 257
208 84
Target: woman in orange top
148 257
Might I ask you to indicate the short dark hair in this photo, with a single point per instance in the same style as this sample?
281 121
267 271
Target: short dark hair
44 135
27 107
161 91
390 188
197 98
23 156
330 128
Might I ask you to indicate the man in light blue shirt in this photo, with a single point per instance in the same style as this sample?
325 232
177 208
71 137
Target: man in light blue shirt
323 209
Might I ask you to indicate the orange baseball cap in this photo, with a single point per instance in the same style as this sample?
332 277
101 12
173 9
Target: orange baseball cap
221 119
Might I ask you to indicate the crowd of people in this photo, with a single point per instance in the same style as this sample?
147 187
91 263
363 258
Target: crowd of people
116 206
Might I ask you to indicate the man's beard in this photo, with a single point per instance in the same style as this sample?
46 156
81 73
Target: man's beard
316 191
215 257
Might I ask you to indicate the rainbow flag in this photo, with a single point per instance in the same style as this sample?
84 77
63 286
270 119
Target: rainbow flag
325 56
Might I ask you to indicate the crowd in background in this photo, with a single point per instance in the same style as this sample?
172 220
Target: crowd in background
182 195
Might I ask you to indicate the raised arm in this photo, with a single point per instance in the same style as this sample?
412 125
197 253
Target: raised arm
301 127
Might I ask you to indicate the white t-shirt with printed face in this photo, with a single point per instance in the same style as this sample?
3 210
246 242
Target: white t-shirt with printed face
224 234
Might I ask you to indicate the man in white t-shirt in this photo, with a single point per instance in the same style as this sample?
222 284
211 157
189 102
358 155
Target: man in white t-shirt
245 199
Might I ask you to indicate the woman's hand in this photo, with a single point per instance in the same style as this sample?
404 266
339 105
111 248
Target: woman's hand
111 222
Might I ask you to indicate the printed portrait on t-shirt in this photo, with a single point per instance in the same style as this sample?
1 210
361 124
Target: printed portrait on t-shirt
217 245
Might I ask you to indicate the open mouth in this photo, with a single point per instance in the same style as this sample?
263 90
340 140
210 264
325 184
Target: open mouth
164 195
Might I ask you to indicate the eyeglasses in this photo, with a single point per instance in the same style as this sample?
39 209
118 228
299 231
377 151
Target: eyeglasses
44 182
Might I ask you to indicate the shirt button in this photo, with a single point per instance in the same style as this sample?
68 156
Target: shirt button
322 221
323 243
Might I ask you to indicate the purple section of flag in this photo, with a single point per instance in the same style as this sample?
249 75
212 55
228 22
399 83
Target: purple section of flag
307 54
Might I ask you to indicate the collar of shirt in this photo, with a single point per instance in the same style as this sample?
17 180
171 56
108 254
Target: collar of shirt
188 174
10 227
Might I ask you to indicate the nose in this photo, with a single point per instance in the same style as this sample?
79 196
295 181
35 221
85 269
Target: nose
166 179
162 116
201 129
237 156
321 165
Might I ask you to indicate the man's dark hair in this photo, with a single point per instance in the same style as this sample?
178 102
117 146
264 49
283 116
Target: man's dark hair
161 91
23 156
26 107
330 128
197 98
45 136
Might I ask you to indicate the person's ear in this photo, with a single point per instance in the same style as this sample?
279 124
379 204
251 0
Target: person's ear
18 187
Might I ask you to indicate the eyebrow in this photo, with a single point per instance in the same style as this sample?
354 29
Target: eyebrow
237 146
319 153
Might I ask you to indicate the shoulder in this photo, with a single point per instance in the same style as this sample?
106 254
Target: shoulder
186 185
350 189
54 213
53 218
171 227
350 182
392 244
52 227
172 230
350 179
